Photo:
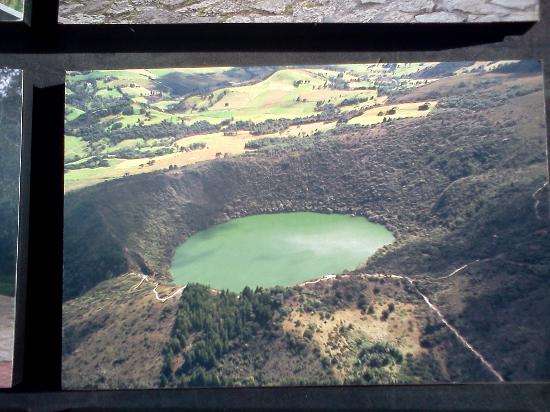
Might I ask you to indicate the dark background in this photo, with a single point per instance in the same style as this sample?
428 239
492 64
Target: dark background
45 50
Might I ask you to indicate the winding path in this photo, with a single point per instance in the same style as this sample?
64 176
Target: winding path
460 269
434 308
461 338
179 291
313 282
145 278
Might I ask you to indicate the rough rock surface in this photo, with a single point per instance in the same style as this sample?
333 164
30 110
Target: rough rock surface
296 11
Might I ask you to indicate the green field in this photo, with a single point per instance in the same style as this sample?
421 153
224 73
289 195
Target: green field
75 148
113 93
135 116
72 113
394 112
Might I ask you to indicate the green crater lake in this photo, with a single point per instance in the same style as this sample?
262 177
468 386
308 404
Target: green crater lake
281 249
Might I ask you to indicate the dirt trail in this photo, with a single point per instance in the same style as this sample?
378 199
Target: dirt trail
145 278
313 282
177 292
461 338
434 308
457 271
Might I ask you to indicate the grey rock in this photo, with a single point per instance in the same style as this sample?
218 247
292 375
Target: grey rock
440 16
516 4
171 4
273 6
297 11
121 7
415 6
374 1
473 7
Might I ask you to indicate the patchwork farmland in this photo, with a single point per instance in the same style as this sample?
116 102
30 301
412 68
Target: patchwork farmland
121 123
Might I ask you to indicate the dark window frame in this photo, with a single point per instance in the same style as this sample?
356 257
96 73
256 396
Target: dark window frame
43 48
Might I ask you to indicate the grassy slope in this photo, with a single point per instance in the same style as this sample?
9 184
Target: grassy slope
75 148
134 322
319 335
393 112
328 355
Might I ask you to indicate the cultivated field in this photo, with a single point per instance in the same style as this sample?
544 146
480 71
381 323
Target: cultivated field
121 123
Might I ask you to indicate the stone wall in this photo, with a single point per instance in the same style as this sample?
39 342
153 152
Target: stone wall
295 11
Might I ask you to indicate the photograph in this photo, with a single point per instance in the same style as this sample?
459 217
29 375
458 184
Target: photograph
308 225
11 10
10 169
296 11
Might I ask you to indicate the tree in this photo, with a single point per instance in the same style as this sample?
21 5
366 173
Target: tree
247 293
362 302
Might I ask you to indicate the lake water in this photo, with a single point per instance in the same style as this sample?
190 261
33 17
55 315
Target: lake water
281 249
